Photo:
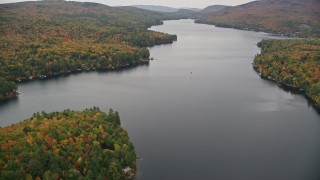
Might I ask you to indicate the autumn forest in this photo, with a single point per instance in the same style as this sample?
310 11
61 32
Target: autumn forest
293 63
40 39
43 39
87 144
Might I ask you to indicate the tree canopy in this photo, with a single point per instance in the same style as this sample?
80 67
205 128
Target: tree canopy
7 88
87 144
41 39
294 63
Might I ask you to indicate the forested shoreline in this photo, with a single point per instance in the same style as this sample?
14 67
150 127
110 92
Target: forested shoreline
41 39
87 144
8 89
292 63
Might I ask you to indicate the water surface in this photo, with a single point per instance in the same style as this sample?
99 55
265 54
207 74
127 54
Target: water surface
198 111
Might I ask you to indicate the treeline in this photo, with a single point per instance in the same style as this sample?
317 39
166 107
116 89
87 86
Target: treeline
41 39
7 89
38 61
293 63
87 144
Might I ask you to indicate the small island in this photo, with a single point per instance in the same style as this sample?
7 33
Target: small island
87 144
294 64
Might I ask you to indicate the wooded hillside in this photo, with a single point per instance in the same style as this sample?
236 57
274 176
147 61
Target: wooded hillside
282 17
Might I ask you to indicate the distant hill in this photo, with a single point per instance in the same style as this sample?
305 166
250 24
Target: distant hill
157 8
284 17
165 9
184 11
213 8
193 9
54 1
182 14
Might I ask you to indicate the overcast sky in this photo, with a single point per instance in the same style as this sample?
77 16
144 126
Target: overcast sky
171 3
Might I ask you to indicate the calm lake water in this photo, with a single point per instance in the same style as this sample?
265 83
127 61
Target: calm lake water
199 111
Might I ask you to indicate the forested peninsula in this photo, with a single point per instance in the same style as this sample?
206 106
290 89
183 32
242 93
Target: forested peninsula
87 144
42 39
292 63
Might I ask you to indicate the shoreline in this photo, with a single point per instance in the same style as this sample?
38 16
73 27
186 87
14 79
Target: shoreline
257 29
15 94
289 88
122 67
96 69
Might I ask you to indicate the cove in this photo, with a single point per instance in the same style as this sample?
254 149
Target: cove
198 111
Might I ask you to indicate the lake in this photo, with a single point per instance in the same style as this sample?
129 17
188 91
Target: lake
198 111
